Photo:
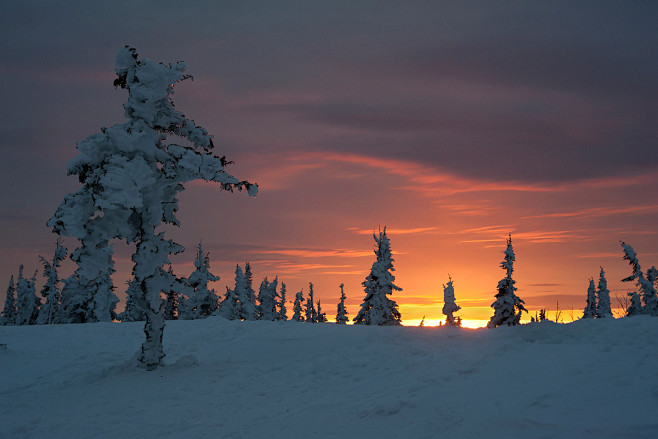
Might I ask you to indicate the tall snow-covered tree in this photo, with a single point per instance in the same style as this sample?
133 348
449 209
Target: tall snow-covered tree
267 298
647 288
341 311
590 307
203 301
88 294
297 308
603 308
508 307
282 313
27 302
8 316
131 176
449 305
51 291
377 308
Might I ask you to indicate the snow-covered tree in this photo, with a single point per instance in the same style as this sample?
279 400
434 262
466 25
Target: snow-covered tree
297 308
603 308
635 308
322 317
50 291
377 308
8 316
251 294
647 288
27 302
230 306
246 296
310 313
135 309
173 296
341 311
282 313
267 298
203 301
131 177
449 305
508 307
88 294
590 307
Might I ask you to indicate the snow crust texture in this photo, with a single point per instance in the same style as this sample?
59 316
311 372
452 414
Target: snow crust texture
595 378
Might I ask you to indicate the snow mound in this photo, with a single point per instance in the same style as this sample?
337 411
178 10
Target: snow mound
232 379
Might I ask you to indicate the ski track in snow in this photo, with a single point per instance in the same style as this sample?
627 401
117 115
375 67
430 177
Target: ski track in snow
229 379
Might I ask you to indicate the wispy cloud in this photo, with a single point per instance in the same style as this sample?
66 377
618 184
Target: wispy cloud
313 253
410 231
596 212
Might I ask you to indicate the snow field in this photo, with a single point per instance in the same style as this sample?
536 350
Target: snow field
231 379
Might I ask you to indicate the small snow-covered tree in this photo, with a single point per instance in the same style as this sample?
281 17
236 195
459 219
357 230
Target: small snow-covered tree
203 301
131 177
249 290
246 296
50 291
8 316
297 308
267 298
282 313
508 307
310 313
135 309
341 311
635 308
590 307
322 317
422 322
173 296
27 302
603 308
377 308
88 294
646 287
449 305
230 306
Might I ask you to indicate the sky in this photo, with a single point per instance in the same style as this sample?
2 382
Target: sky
452 124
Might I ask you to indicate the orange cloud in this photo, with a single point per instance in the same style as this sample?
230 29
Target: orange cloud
410 231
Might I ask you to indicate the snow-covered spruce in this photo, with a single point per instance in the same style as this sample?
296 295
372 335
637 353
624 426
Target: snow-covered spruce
322 317
590 307
51 291
341 311
635 308
603 307
247 296
173 296
135 310
27 302
229 308
647 288
297 308
203 302
131 177
88 294
282 313
267 298
310 313
508 307
377 308
449 305
8 316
